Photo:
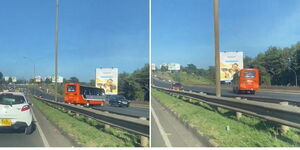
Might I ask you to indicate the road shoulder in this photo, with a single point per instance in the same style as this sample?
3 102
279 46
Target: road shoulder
52 134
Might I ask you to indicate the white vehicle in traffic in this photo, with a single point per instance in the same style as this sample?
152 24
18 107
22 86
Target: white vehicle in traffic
15 112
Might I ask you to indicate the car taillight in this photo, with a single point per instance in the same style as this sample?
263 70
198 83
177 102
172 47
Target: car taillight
26 107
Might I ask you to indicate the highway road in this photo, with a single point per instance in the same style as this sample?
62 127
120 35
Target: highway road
227 92
129 111
167 131
45 135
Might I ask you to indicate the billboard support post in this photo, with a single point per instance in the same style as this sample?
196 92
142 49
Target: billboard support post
217 46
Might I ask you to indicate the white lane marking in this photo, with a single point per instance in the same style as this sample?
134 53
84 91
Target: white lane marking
161 130
45 142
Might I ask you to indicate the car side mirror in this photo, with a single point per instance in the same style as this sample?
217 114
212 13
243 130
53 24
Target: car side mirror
30 104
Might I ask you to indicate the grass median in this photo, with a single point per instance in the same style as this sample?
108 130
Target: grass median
225 130
86 132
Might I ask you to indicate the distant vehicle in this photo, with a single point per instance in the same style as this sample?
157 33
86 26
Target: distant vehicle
176 86
246 81
84 95
15 112
118 100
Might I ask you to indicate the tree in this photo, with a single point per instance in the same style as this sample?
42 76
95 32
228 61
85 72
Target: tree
9 80
92 83
191 68
1 78
74 80
135 86
164 68
48 81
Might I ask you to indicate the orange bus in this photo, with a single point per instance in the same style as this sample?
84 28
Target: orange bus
246 81
84 95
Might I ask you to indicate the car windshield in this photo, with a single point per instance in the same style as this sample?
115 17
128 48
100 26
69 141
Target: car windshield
10 99
249 74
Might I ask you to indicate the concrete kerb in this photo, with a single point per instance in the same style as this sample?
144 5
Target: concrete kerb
193 129
284 128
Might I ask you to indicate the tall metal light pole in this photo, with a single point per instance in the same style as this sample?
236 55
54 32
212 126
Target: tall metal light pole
217 48
56 50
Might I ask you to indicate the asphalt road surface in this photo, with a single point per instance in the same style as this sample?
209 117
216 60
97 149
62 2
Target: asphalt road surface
131 111
45 135
167 131
276 94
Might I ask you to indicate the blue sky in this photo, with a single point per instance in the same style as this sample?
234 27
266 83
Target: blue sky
182 30
92 33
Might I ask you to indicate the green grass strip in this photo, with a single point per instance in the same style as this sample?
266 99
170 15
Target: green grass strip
225 130
83 132
184 78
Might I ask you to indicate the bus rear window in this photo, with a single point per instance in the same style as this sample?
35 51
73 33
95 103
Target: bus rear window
71 88
249 74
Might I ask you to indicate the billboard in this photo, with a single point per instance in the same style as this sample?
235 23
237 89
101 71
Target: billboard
107 78
230 63
38 79
173 66
6 79
59 79
14 79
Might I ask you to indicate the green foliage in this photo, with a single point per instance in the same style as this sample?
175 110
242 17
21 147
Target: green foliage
73 80
48 81
135 86
1 78
273 65
246 132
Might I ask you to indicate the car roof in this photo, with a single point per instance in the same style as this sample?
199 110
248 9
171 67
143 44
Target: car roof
14 93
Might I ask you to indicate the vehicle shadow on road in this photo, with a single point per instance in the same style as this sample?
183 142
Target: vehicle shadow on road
7 130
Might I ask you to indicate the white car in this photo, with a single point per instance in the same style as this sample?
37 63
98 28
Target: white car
15 112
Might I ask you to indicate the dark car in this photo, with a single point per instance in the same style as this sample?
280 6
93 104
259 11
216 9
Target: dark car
176 86
118 100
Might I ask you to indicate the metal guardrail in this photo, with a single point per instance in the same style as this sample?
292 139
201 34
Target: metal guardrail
283 114
259 99
135 125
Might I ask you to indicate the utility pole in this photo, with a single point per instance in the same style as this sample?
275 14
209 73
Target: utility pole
217 48
56 51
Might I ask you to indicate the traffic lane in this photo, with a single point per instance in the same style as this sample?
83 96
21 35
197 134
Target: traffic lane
17 138
258 94
229 92
156 137
172 131
132 111
51 133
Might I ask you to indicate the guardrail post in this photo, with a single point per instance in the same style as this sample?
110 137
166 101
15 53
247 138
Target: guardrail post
238 114
284 128
144 141
106 126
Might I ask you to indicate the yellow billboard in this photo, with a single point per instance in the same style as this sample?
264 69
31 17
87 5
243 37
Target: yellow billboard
230 63
107 79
